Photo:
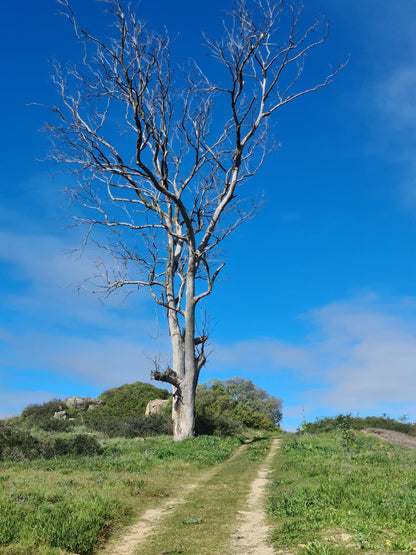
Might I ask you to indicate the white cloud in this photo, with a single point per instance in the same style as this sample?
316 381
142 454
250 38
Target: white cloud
266 354
361 358
396 97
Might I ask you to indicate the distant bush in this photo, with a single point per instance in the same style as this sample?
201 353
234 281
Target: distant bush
226 407
128 399
41 412
17 444
130 427
329 424
55 425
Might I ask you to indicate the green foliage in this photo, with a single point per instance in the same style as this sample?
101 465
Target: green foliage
130 427
333 423
226 407
128 399
68 504
19 445
318 494
41 412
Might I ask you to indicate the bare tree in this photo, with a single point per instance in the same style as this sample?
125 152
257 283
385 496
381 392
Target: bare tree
160 195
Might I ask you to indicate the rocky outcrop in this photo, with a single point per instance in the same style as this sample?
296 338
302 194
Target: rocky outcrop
60 415
82 403
156 406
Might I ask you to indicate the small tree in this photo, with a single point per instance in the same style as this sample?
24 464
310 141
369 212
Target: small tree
166 188
226 406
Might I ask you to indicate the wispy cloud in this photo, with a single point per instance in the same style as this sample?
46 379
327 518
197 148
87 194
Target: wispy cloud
361 357
396 98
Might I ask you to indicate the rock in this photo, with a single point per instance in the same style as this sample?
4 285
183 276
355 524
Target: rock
156 406
60 415
82 403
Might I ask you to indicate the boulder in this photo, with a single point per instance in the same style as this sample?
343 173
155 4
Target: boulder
60 415
156 406
81 403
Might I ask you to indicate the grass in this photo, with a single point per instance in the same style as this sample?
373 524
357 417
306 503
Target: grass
205 523
71 503
326 499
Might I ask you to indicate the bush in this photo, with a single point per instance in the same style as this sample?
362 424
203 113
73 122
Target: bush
128 400
19 445
226 407
36 412
81 444
55 425
130 427
329 424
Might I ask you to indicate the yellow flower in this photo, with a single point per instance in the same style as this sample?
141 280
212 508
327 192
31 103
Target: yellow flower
388 542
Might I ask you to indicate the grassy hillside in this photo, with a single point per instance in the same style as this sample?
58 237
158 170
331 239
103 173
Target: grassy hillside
69 504
343 494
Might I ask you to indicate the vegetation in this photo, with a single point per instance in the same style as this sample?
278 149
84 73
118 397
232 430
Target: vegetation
326 499
18 444
122 413
227 407
330 424
212 508
70 503
223 408
129 399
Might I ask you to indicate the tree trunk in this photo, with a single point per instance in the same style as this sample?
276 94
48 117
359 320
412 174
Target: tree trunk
183 411
183 407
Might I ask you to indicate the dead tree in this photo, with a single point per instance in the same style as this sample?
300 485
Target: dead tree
162 156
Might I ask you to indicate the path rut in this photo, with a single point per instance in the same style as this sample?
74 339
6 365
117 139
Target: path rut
252 533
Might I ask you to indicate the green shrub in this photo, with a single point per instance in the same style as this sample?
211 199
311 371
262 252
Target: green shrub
333 423
226 407
55 425
139 426
128 400
19 445
41 412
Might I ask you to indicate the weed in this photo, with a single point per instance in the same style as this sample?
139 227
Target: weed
192 521
317 548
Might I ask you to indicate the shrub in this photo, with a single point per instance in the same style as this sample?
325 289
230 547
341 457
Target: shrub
128 399
225 407
17 444
333 423
130 427
37 412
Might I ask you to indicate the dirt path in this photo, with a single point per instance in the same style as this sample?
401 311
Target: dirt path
252 533
136 534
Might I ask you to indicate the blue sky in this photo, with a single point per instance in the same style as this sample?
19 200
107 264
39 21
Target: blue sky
326 270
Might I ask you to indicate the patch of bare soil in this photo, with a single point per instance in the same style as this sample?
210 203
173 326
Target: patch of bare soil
394 438
252 533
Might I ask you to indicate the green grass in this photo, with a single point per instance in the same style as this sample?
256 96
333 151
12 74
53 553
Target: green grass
329 500
71 503
205 523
